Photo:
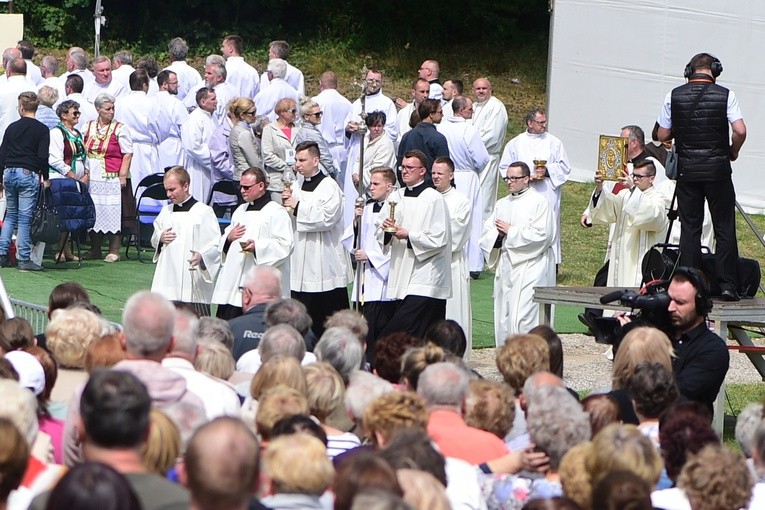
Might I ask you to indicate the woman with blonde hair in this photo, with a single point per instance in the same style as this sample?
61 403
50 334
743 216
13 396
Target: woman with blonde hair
278 139
422 490
640 345
325 392
241 141
163 446
416 359
215 359
279 370
310 118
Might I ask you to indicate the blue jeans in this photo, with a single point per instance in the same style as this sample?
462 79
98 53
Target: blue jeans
21 188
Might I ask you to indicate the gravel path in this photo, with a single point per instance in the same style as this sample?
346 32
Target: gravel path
586 368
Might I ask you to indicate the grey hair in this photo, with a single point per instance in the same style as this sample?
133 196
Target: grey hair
80 59
185 332
636 133
443 384
177 48
267 280
9 54
103 99
50 63
459 103
532 114
124 56
148 321
47 95
281 339
277 67
288 311
363 389
342 349
747 424
215 59
213 329
556 422
19 405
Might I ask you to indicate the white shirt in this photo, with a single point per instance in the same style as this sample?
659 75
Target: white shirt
113 88
665 116
85 74
242 77
33 73
122 75
9 100
218 396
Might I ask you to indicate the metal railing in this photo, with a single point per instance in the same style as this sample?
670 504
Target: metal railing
36 315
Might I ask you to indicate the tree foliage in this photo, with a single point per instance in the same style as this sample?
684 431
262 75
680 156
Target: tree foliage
371 24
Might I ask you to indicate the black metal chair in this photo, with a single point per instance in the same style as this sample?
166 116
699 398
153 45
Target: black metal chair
148 212
134 239
224 209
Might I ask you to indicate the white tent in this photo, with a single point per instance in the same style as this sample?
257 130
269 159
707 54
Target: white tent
613 61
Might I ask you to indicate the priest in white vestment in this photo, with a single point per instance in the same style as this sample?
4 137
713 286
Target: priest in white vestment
518 241
373 100
420 92
103 82
215 79
639 214
185 238
171 114
319 265
260 233
188 77
139 112
458 306
195 138
470 156
276 90
292 75
335 108
551 170
490 118
420 248
370 284
240 75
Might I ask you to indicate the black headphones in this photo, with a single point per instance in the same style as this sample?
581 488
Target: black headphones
716 66
700 283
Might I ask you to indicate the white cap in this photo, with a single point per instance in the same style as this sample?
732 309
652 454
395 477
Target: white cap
31 373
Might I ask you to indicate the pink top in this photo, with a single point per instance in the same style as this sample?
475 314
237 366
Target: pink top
55 429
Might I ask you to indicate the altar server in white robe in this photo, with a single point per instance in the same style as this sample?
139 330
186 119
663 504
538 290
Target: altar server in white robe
490 118
139 112
458 306
420 248
371 285
260 233
186 235
320 267
536 144
639 214
518 241
373 101
336 108
470 158
171 114
195 138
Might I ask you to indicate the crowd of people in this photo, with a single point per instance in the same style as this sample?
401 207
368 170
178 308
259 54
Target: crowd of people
289 399
174 410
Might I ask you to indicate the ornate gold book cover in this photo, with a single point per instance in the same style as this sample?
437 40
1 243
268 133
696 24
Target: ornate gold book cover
612 156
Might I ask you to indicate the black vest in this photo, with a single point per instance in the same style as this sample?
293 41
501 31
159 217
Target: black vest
702 136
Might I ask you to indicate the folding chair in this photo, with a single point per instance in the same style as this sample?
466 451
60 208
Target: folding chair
227 200
148 211
146 182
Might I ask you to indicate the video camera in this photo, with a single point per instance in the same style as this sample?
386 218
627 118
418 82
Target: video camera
652 302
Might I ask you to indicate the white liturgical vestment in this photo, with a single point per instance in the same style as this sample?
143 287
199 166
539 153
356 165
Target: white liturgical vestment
195 138
375 278
171 114
139 112
490 118
525 259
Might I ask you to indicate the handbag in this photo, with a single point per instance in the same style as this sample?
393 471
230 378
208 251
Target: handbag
45 225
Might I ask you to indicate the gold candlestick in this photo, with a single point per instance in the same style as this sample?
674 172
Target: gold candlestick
392 216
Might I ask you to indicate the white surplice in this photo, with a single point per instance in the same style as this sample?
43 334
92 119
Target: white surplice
122 75
197 230
242 77
425 268
525 260
458 306
294 77
171 114
139 113
640 219
188 77
223 93
527 147
470 156
271 230
195 138
114 88
270 94
335 108
402 121
375 277
490 118
319 263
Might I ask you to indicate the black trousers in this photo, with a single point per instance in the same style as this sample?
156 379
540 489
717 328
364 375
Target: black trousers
414 315
321 305
721 197
378 314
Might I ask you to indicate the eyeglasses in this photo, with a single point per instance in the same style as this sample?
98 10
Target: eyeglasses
292 111
250 112
317 114
245 187
637 177
405 168
75 113
540 122
513 178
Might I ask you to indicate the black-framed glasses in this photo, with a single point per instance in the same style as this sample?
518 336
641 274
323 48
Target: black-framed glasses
637 177
250 112
513 178
245 187
293 111
317 114
75 113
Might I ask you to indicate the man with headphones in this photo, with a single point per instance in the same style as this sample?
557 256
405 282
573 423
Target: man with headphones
697 115
702 357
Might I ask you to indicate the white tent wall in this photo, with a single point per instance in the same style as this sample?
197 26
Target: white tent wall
613 61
